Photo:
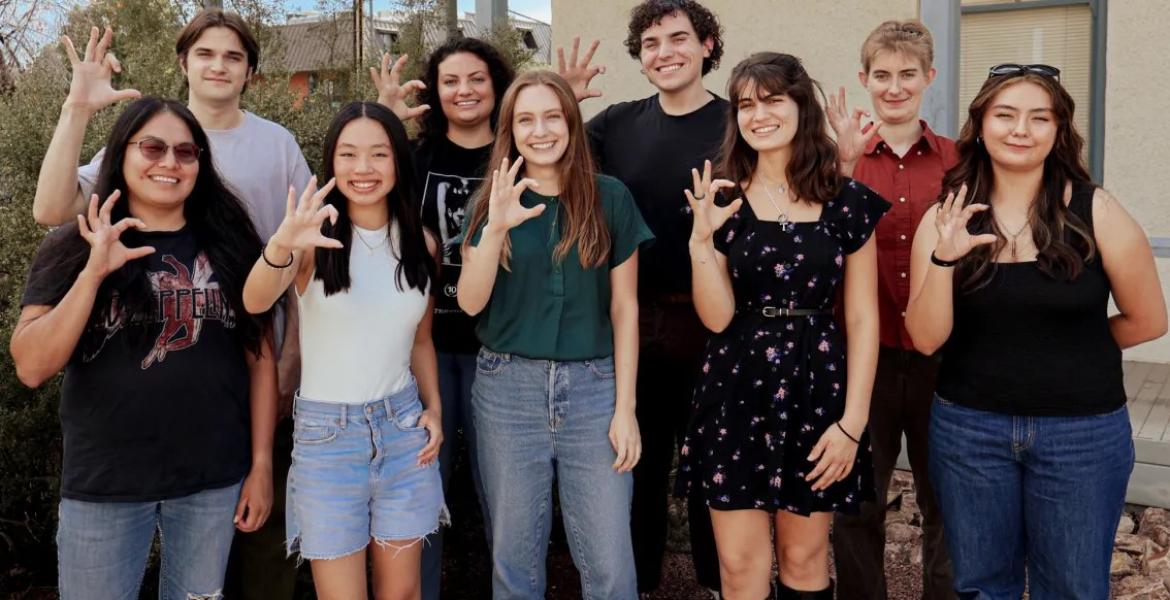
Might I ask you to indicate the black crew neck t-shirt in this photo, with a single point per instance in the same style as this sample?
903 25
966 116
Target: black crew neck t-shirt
154 405
653 154
449 175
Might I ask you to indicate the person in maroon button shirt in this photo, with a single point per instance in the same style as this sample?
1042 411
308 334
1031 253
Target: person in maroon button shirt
899 157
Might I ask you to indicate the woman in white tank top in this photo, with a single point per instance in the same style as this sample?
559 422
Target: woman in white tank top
367 422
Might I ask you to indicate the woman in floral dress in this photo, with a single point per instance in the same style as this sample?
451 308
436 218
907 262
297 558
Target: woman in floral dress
776 436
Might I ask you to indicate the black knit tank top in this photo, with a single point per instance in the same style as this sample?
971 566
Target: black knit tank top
1028 344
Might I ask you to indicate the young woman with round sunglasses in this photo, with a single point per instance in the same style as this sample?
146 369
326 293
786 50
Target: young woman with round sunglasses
169 397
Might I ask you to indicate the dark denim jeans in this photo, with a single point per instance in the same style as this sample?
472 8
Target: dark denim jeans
456 373
1042 491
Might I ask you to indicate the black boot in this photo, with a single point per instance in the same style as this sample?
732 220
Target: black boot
784 592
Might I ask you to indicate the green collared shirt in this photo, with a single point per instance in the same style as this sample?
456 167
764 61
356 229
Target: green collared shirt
558 310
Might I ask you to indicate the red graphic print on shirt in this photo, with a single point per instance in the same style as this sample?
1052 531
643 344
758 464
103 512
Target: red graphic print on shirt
183 299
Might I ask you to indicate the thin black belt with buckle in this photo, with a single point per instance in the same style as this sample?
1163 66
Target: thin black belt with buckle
773 312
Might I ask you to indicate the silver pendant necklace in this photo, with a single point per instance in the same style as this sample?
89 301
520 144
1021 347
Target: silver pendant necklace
370 247
782 217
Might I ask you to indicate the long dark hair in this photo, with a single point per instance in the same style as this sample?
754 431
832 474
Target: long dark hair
215 216
1050 219
415 265
434 123
812 171
584 224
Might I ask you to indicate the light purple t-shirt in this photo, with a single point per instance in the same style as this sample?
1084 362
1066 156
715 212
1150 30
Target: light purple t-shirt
259 160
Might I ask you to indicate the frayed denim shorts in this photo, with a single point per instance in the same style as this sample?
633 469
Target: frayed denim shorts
355 476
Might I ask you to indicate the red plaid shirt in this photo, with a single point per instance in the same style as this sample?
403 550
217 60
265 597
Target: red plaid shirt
910 183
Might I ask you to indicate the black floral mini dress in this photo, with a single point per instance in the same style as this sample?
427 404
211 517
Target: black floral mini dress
771 385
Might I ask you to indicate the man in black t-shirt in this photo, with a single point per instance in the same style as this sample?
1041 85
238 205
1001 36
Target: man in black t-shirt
651 145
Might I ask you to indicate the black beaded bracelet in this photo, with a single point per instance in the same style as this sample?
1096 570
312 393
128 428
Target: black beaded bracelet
943 263
264 255
851 438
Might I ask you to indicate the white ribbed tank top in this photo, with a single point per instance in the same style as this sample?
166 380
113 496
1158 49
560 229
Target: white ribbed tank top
356 344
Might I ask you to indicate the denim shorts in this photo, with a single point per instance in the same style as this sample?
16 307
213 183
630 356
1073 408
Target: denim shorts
355 476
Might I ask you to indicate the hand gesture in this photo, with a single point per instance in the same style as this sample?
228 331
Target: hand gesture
393 95
255 503
834 455
301 227
106 251
579 74
504 208
851 141
91 87
626 440
433 423
708 217
954 241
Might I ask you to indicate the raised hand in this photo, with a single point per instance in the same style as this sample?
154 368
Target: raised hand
504 208
301 227
393 94
851 141
579 73
91 87
954 241
708 217
107 253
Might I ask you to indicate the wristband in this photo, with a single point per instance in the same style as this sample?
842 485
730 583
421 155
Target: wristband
264 255
943 263
851 438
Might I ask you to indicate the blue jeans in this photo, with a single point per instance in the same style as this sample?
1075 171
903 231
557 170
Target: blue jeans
456 372
103 547
540 421
1041 491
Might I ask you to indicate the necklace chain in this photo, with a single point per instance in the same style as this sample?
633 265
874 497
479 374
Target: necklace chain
782 217
371 247
1013 237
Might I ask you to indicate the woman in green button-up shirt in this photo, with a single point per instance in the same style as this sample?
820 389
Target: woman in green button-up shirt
550 265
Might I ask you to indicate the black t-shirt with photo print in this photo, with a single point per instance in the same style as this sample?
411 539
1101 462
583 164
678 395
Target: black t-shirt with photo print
653 154
449 176
154 405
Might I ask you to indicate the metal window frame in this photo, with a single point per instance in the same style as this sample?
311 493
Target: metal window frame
946 16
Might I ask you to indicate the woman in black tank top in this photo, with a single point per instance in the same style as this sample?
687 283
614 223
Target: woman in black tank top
1011 275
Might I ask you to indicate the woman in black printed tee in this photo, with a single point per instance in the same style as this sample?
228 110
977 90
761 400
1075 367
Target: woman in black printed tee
464 80
169 397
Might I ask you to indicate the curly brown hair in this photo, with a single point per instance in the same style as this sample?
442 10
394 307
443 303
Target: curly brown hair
650 13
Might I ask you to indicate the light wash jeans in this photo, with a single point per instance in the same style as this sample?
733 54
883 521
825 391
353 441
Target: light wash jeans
540 421
1045 492
103 547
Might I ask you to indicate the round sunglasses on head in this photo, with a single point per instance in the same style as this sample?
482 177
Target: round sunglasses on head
1015 69
155 149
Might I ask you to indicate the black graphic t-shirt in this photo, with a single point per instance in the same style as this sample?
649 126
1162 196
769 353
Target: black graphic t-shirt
449 175
154 405
653 154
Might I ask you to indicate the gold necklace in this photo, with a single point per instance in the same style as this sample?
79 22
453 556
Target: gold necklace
371 247
782 217
1012 237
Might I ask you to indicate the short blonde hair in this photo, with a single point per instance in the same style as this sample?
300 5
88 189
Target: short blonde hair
908 37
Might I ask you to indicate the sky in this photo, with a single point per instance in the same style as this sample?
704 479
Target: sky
537 9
